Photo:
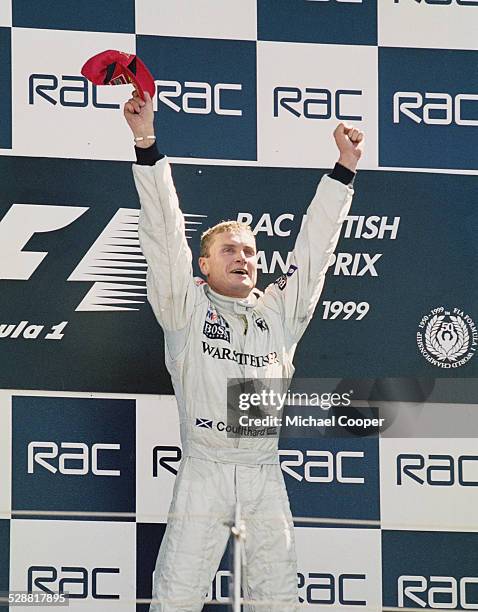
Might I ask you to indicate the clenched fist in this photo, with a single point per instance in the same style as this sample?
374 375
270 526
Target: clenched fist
349 141
139 115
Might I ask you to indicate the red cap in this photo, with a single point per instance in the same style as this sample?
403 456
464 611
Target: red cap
118 68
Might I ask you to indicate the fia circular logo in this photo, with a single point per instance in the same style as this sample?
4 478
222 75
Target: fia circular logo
447 338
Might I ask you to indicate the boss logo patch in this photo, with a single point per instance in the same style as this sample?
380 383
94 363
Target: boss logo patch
215 326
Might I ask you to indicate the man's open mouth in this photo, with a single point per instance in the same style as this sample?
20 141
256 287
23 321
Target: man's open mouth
240 272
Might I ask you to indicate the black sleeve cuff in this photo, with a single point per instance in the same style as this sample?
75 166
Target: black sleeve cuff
342 174
149 156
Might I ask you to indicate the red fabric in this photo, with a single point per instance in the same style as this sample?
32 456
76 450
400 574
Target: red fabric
118 68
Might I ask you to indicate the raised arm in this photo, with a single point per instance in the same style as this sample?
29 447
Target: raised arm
297 292
162 236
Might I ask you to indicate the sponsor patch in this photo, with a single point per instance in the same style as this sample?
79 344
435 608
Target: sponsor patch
262 325
215 326
281 282
204 423
244 359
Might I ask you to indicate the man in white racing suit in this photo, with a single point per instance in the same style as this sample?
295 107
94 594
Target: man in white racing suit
220 330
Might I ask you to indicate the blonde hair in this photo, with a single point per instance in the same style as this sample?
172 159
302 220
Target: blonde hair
224 226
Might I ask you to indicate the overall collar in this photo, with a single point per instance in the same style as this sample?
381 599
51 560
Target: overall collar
239 306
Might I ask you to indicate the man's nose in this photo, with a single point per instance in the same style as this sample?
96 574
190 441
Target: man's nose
241 256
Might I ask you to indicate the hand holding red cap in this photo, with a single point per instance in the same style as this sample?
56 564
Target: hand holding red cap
118 68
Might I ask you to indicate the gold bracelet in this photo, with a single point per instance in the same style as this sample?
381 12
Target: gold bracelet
139 138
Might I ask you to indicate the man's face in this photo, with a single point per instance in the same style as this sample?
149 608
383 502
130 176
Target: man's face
231 266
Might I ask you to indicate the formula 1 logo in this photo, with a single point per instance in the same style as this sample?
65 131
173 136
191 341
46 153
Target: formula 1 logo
114 263
19 224
116 266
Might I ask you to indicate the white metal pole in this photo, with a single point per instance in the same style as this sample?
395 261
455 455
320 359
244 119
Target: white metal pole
237 532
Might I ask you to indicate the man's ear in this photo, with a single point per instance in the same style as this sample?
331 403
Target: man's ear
204 265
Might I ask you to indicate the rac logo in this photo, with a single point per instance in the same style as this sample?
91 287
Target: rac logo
71 90
339 1
437 592
79 582
437 470
317 102
323 466
198 98
433 108
327 588
440 2
191 97
84 459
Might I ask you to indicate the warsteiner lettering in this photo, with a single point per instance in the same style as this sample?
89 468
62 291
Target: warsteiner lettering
256 361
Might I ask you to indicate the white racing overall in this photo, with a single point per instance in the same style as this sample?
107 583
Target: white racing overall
210 338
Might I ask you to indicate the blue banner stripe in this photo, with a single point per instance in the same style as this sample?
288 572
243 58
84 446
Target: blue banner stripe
6 89
87 15
317 22
4 558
